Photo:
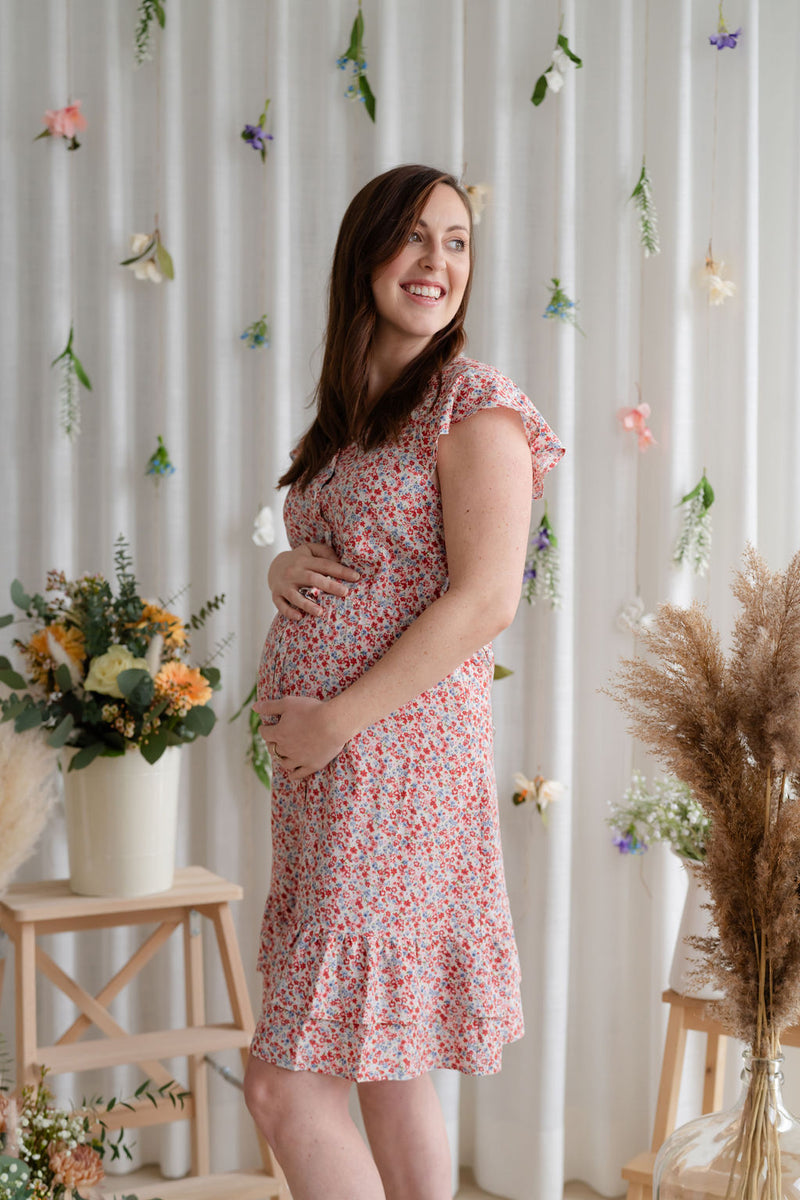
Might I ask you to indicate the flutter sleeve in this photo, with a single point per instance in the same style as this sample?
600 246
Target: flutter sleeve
479 386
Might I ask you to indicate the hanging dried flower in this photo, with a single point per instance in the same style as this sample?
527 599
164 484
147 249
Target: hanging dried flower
150 259
65 123
719 289
479 196
147 10
540 577
553 76
257 333
632 617
648 217
255 136
72 373
540 790
264 527
694 542
560 307
358 88
635 420
159 462
722 37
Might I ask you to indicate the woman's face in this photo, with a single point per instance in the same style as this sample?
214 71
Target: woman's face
418 292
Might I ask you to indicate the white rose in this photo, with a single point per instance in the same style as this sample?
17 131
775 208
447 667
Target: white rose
264 527
555 81
104 670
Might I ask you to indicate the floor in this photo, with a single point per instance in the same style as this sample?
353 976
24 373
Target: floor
468 1189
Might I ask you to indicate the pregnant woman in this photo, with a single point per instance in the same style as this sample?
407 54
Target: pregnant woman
387 947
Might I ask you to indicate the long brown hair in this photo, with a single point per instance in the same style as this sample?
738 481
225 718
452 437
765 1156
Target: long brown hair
374 230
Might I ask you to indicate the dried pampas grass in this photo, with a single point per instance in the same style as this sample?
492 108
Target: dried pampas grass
28 788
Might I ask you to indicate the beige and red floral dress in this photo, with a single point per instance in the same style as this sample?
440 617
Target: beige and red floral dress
387 947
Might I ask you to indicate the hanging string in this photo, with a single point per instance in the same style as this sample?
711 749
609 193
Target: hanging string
638 482
705 405
160 379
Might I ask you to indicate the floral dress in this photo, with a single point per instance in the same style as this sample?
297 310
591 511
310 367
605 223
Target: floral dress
387 946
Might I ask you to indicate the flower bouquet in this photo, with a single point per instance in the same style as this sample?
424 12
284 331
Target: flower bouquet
104 673
728 725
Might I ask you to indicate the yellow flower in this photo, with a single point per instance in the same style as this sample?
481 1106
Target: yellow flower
183 687
79 1167
38 651
105 669
171 627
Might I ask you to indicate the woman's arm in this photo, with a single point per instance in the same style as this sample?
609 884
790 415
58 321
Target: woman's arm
485 480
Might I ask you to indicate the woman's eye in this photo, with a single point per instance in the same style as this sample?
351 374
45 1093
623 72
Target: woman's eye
415 237
458 243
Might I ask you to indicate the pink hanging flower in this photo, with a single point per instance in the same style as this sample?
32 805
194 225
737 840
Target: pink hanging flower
64 122
635 420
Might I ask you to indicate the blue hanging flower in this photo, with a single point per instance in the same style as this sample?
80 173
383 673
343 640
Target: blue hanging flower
560 307
358 88
159 462
256 334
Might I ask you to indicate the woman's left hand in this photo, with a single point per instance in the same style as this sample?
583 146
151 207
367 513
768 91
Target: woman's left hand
304 738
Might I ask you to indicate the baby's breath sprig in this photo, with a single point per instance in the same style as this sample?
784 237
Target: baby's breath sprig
540 577
147 10
693 546
72 373
648 217
358 88
666 812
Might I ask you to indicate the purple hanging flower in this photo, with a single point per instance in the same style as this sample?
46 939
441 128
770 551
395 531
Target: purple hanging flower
255 136
723 37
628 843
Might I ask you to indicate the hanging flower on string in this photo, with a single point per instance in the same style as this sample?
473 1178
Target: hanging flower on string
65 123
255 136
694 542
648 217
257 333
72 373
150 259
719 289
560 307
479 196
540 790
632 617
634 420
358 88
553 76
147 11
723 38
264 527
540 577
159 463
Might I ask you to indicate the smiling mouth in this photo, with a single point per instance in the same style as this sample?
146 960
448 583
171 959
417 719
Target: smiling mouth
429 292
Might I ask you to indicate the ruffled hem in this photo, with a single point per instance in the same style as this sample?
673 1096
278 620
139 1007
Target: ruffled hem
382 1052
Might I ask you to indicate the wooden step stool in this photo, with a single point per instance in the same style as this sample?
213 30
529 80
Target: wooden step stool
30 910
685 1013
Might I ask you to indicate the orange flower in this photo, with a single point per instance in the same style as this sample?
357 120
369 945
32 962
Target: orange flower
39 654
183 687
171 627
81 1167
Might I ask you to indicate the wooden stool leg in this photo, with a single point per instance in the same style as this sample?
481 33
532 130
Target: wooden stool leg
671 1071
196 1015
3 953
26 1004
243 1016
713 1083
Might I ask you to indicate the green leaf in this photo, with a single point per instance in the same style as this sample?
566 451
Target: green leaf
501 672
356 38
6 619
708 493
152 749
79 371
63 729
164 262
160 14
63 678
137 687
564 44
366 92
86 755
19 596
540 91
200 720
30 718
12 679
17 1174
251 695
212 675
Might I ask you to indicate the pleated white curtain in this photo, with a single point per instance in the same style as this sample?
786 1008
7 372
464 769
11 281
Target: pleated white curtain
453 80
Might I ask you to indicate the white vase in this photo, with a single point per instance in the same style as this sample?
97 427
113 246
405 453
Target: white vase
122 820
695 922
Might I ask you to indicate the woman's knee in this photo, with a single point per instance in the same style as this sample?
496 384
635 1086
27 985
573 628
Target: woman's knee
262 1095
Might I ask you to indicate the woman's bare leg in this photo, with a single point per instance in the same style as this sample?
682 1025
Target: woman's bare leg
304 1117
406 1130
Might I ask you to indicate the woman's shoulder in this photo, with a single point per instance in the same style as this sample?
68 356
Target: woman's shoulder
468 374
465 386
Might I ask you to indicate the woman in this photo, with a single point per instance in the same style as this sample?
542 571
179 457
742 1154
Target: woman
387 947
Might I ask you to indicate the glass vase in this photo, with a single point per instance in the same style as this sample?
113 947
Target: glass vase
749 1152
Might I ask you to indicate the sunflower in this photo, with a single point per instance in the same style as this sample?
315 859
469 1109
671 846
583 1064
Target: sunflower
39 654
170 627
182 687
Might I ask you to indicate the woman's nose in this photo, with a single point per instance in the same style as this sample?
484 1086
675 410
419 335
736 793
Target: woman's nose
432 257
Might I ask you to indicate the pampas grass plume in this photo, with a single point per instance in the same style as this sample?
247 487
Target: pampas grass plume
28 788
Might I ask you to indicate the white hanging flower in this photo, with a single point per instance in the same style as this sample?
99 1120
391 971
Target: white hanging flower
555 80
264 527
479 195
632 617
719 289
542 791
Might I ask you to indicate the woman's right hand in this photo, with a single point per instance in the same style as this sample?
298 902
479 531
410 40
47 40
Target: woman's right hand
309 565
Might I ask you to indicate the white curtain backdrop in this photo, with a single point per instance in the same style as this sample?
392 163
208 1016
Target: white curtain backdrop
453 80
